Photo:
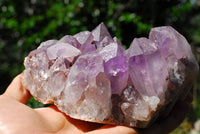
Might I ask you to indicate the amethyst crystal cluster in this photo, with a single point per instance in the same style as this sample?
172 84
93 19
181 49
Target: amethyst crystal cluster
90 76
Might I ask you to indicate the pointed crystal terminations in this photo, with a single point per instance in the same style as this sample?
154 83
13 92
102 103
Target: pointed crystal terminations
90 76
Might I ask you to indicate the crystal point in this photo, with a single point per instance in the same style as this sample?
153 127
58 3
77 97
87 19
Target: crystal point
90 76
100 32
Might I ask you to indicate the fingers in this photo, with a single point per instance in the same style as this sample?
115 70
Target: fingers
54 119
59 122
84 126
16 91
110 129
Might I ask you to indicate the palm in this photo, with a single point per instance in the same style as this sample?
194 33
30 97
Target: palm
15 117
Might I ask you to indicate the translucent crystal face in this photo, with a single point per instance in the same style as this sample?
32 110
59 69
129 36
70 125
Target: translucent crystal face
90 76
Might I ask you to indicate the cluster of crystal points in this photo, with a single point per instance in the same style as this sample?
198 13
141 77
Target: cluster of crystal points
90 76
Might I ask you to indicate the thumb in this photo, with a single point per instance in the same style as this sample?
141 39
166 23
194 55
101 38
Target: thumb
16 90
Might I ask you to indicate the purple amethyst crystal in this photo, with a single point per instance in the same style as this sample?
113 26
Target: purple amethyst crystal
90 76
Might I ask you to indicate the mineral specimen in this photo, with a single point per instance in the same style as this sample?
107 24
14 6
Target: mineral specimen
90 76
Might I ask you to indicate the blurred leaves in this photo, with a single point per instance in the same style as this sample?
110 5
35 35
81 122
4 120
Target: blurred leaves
184 128
34 104
131 17
25 24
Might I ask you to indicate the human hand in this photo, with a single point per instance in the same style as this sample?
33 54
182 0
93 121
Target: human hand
17 118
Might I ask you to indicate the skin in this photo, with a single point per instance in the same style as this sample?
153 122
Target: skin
17 118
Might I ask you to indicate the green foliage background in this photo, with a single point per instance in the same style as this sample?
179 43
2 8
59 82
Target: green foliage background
25 24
